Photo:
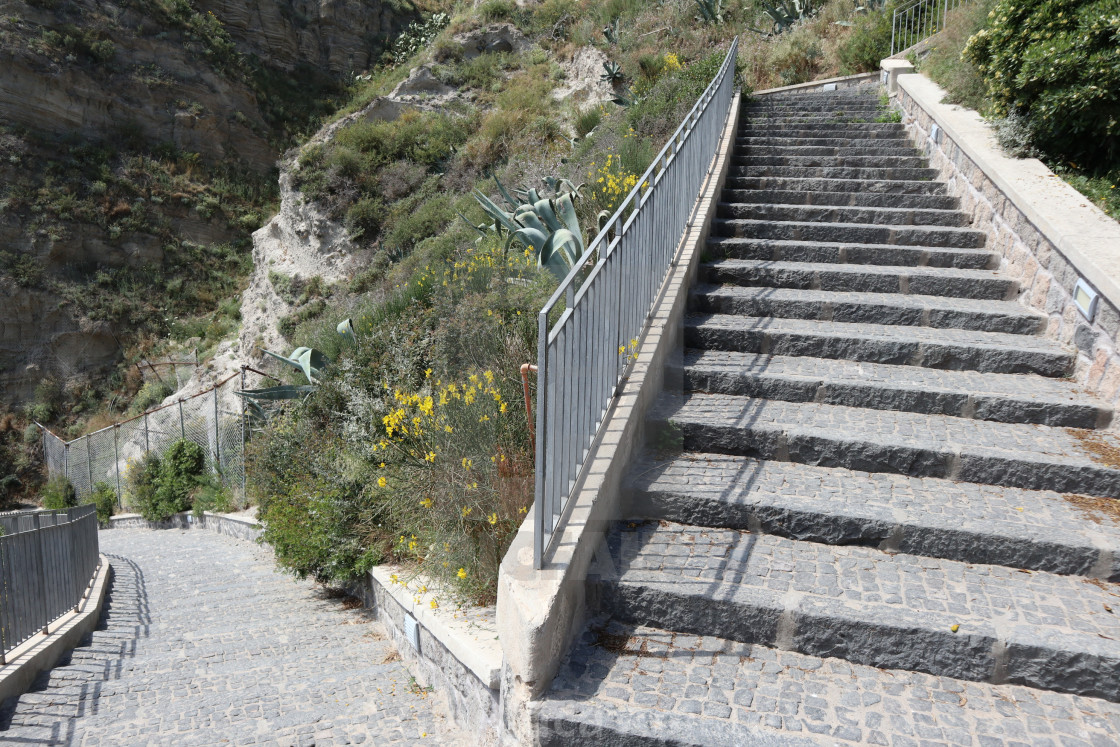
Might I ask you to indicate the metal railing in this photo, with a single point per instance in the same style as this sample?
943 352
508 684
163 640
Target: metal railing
214 419
605 301
917 20
47 563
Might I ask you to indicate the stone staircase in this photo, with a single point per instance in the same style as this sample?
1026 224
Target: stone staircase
876 513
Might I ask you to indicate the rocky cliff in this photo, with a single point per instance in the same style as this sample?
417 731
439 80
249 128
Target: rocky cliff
114 116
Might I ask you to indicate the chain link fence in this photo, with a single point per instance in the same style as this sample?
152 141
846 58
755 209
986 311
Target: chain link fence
215 419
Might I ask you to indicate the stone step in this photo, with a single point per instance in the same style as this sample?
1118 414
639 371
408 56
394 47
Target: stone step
769 128
966 522
863 233
793 118
848 199
823 184
860 140
841 148
982 623
936 311
987 352
829 103
1003 398
876 161
631 685
1033 457
840 144
780 250
923 281
825 110
835 172
891 216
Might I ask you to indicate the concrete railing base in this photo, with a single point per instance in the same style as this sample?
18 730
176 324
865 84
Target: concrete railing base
42 652
539 612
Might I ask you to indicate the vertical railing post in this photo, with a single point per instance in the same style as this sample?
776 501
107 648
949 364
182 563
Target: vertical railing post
217 436
244 426
117 461
182 423
89 464
147 440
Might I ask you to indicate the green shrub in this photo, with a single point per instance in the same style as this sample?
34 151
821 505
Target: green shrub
48 400
588 120
58 493
104 497
151 394
1056 63
868 44
961 80
161 488
212 496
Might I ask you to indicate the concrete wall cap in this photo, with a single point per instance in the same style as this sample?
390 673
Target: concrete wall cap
469 633
1081 231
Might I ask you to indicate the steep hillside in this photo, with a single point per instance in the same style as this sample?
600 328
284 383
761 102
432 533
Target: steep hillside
138 143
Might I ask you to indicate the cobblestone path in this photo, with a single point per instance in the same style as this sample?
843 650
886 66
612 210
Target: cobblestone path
203 641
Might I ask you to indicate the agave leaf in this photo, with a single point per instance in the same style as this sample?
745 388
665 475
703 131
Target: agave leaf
561 245
529 219
495 212
505 194
481 227
345 329
312 363
531 237
274 393
547 213
568 213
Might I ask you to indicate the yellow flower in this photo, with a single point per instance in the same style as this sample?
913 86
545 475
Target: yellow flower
434 604
382 482
493 519
467 511
430 456
462 573
426 503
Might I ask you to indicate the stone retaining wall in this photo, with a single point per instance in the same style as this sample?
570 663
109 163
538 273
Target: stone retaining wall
1043 245
234 527
473 703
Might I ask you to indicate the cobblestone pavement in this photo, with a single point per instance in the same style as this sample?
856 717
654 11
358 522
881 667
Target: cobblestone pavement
204 641
723 692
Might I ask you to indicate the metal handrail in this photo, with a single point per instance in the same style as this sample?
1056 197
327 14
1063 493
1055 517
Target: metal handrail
606 299
48 560
917 20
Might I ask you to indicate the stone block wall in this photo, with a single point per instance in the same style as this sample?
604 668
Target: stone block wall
1046 275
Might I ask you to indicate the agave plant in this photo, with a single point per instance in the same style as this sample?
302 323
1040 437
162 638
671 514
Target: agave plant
547 225
784 14
309 361
610 31
612 73
711 11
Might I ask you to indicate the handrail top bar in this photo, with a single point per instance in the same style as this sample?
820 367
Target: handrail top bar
562 288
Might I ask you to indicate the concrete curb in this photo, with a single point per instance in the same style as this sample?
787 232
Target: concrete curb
27 660
539 612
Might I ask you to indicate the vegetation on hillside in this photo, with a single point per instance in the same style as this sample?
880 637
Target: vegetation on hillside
1047 72
415 448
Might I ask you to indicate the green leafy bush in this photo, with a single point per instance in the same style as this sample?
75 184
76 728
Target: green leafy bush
868 44
1057 63
104 497
161 488
58 493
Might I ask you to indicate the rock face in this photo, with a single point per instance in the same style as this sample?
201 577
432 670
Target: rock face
196 74
332 35
38 335
161 78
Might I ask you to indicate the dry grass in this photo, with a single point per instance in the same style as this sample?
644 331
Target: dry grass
1101 447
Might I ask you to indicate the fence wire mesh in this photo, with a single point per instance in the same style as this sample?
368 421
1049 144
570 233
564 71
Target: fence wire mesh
213 419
